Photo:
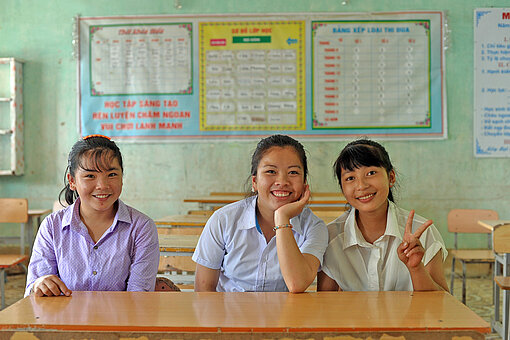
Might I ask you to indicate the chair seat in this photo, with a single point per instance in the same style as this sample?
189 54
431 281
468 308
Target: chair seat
9 260
503 282
473 255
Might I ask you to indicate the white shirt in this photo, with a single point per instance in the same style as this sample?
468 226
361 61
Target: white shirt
230 242
357 265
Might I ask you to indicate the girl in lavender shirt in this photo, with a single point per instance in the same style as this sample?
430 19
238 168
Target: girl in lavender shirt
97 243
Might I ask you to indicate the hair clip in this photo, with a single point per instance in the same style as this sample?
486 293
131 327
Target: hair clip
91 136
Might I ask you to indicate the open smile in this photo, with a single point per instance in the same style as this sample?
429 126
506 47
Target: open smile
365 197
281 194
102 196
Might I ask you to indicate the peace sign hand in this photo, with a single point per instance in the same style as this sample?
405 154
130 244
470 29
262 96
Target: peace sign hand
410 251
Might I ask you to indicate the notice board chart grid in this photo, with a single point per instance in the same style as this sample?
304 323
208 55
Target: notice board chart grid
141 59
371 81
252 75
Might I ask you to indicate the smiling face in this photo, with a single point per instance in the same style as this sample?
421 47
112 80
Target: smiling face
98 185
279 180
366 188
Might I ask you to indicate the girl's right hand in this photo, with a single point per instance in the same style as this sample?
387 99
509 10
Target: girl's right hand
410 251
50 285
286 212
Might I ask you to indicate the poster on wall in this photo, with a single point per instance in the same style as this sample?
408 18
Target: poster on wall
316 76
491 82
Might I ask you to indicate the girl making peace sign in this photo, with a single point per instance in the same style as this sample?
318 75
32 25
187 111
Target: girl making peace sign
377 245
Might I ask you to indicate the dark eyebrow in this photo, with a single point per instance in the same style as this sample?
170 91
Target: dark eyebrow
99 170
274 166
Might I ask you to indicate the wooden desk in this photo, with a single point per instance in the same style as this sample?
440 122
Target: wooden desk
501 245
6 261
211 200
177 245
418 315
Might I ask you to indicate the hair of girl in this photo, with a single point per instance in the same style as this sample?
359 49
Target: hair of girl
100 150
279 141
363 152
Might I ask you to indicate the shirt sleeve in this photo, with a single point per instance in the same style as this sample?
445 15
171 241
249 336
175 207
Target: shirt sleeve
145 259
43 260
433 242
316 240
210 249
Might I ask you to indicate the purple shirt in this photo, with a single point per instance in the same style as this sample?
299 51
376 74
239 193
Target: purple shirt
126 257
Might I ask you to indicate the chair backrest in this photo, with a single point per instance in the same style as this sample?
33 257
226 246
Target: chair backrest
57 206
13 210
466 220
165 285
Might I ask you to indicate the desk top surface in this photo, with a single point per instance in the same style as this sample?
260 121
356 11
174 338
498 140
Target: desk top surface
225 199
491 224
178 243
183 220
201 220
244 312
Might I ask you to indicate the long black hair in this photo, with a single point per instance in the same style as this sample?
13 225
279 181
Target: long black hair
363 152
281 141
99 149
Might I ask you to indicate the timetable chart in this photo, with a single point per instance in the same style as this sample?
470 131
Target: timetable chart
141 59
371 74
252 76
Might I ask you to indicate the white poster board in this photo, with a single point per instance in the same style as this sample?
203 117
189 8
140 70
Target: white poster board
492 82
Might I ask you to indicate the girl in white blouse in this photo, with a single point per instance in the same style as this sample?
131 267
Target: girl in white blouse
377 245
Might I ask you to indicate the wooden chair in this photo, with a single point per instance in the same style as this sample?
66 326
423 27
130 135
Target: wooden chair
12 210
165 285
501 247
466 221
57 206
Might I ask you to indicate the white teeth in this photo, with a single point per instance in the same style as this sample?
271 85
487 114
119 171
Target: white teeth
365 197
281 194
101 196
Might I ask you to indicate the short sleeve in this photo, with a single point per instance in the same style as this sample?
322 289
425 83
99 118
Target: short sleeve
433 242
316 236
210 249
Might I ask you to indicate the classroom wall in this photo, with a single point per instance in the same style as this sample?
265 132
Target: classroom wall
434 176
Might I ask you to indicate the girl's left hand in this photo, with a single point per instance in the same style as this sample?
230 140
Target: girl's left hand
287 211
410 251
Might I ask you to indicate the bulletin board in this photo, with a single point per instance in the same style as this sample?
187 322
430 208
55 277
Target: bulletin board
491 82
318 76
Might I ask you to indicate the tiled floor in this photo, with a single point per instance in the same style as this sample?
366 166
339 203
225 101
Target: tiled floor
479 295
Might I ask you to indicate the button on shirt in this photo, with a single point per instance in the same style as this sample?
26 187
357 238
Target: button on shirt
230 242
126 257
357 265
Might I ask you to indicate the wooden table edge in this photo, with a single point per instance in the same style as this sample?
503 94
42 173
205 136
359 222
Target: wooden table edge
249 329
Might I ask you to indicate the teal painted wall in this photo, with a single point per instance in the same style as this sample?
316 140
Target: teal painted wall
434 176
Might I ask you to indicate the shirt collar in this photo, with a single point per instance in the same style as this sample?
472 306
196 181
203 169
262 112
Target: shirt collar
353 236
247 220
72 213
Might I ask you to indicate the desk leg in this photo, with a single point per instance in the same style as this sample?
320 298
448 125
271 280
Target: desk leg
497 316
506 298
2 286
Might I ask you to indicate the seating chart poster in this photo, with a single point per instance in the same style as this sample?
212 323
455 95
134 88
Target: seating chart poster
319 76
491 82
